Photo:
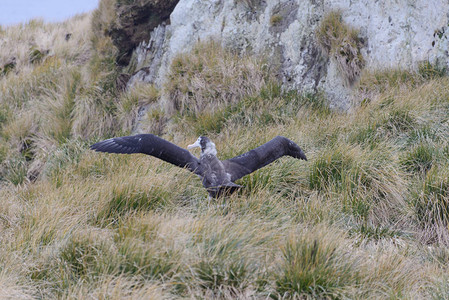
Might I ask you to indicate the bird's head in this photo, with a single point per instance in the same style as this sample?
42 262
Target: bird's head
206 145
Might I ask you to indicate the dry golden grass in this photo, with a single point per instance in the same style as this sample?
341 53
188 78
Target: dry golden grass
132 102
211 72
342 43
366 217
21 40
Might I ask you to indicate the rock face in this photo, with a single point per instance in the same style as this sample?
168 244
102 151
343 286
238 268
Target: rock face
395 33
135 22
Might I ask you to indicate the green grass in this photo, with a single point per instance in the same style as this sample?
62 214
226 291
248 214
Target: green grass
125 199
15 170
432 196
270 106
314 267
420 158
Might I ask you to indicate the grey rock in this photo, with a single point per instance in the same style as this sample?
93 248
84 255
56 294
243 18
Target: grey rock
396 34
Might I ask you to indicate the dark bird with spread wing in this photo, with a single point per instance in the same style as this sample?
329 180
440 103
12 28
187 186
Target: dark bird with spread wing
217 176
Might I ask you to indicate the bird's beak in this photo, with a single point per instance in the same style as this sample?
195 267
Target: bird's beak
194 145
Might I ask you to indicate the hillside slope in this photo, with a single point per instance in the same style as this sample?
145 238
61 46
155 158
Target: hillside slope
365 217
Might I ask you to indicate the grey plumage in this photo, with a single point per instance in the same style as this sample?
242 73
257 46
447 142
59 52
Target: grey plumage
217 176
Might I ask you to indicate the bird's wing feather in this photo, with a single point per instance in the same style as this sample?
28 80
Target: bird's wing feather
261 156
151 145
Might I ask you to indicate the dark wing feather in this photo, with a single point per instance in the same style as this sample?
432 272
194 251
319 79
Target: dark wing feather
151 145
261 156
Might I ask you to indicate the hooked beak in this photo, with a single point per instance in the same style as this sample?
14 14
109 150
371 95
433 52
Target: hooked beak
194 145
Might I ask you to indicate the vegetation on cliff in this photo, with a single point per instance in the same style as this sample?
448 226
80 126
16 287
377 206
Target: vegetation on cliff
130 22
365 217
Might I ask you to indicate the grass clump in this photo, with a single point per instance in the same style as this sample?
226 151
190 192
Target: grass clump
385 124
314 265
210 77
368 232
382 80
132 102
429 70
15 170
397 120
432 197
223 260
37 56
328 170
420 158
214 275
8 67
65 155
57 109
369 184
80 256
271 105
126 198
342 44
149 263
275 19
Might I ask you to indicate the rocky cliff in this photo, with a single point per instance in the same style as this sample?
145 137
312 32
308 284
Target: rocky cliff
394 34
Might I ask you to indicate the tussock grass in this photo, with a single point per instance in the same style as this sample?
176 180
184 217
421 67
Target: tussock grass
342 44
211 77
117 287
268 107
432 196
67 91
365 217
381 80
25 39
15 170
132 102
420 158
370 185
314 266
57 107
104 18
126 198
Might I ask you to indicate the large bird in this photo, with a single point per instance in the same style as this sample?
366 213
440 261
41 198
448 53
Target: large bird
217 176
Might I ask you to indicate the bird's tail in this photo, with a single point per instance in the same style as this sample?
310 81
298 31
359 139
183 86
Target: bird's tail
223 190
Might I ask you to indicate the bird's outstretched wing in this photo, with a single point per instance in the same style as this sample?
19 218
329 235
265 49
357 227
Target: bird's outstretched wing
151 145
261 156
